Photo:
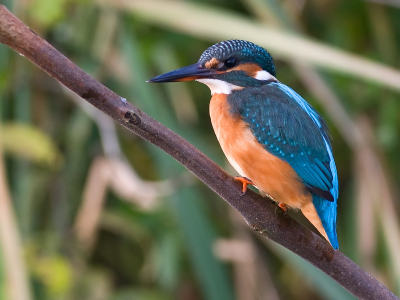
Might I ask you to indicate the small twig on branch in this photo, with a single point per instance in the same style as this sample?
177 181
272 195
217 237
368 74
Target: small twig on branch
261 214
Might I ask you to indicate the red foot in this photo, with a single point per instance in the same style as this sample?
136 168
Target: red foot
283 206
245 181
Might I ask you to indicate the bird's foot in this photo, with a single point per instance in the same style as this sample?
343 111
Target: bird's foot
283 206
245 181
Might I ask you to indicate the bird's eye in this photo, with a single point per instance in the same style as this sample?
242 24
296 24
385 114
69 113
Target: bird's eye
230 63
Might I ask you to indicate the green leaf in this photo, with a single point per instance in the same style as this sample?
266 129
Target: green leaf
47 12
31 143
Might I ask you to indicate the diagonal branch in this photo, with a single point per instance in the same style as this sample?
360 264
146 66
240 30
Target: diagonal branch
262 215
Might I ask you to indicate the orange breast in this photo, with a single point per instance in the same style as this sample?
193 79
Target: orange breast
271 175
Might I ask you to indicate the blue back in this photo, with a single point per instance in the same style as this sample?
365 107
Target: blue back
288 127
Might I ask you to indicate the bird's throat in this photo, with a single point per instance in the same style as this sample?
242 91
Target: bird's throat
219 86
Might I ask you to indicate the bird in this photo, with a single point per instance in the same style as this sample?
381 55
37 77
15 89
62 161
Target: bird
271 136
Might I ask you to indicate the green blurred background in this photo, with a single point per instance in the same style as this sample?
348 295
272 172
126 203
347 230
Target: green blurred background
97 213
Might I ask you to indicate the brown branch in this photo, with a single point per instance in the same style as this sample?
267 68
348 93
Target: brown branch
262 215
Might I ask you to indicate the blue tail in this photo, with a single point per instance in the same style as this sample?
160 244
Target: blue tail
327 213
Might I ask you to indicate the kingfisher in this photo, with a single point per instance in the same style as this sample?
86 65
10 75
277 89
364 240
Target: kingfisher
271 136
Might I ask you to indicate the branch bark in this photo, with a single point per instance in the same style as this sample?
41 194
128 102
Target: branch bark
261 214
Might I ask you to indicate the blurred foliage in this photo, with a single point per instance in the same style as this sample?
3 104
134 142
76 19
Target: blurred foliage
168 251
30 143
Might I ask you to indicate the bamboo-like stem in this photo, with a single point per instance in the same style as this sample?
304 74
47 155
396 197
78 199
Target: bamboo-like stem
17 287
261 214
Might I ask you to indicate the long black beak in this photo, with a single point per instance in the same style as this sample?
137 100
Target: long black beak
188 73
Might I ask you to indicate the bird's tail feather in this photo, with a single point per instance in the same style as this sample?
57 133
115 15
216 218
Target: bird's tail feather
327 213
311 214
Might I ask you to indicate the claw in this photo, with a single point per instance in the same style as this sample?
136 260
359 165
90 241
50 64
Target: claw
245 181
283 206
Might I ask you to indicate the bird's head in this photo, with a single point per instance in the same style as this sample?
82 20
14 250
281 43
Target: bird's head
226 66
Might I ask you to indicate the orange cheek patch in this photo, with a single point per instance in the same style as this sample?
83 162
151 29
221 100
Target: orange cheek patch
212 63
250 69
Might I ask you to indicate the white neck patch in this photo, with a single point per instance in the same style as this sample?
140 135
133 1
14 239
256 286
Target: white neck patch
218 86
264 75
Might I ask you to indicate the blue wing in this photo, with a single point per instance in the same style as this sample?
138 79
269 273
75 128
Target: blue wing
291 129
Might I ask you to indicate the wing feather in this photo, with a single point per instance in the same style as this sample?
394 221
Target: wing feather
288 127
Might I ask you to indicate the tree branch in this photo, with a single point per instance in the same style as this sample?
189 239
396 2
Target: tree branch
261 214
